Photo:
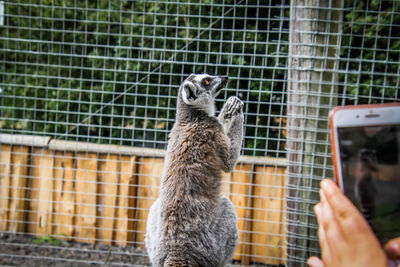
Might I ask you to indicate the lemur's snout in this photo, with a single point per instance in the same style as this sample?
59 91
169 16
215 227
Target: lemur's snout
224 81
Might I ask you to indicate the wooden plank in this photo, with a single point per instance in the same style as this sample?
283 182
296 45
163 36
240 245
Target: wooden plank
19 172
282 226
149 177
24 140
86 188
34 190
268 231
5 166
100 187
143 152
124 231
241 190
226 184
108 182
58 174
64 195
44 223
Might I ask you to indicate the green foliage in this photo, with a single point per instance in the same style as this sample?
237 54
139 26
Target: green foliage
108 71
370 51
107 256
47 239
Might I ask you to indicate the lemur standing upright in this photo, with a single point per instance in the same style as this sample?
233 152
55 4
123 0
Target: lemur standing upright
191 224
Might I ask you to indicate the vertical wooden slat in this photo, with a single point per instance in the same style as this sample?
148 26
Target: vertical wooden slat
268 237
226 184
19 172
34 189
85 186
64 195
100 187
5 164
149 177
282 240
45 197
241 189
124 233
58 182
108 182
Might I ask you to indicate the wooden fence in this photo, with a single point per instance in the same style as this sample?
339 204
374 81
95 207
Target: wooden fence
80 192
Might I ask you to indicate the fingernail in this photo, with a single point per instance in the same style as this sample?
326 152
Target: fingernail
393 246
326 185
313 261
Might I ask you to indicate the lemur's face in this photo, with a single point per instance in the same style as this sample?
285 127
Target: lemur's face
200 90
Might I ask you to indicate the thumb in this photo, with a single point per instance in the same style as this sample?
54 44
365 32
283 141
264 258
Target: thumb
392 248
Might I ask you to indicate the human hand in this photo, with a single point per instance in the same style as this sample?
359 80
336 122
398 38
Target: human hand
345 237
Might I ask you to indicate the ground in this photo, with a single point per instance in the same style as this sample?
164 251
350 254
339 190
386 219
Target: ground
27 250
23 250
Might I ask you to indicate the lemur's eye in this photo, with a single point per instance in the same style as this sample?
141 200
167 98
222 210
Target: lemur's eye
206 82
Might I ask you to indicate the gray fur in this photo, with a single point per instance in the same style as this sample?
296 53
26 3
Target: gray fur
191 224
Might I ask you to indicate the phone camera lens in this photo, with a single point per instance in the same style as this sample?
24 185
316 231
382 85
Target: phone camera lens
357 116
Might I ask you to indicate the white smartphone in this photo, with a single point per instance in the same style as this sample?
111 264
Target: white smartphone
365 145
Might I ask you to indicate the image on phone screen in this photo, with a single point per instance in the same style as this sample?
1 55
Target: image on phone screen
370 163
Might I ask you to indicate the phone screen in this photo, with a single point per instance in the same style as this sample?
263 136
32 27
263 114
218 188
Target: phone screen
370 163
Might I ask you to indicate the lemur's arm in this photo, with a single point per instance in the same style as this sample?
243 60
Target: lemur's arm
231 118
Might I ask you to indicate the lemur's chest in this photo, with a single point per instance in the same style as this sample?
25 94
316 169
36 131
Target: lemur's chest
193 141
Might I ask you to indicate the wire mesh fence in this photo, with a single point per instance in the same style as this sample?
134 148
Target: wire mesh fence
88 97
340 53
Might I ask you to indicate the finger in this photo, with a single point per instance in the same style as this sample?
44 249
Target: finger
392 248
241 104
333 232
237 106
323 242
315 262
354 227
326 253
230 107
233 98
342 206
227 104
225 107
349 218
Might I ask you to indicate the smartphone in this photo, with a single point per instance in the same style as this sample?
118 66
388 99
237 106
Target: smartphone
365 145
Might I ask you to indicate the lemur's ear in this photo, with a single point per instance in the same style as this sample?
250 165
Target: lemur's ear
189 93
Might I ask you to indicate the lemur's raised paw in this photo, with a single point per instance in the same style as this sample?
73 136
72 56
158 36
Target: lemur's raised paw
232 107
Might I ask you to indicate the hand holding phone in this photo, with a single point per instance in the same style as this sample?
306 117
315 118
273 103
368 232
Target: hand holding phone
365 142
344 236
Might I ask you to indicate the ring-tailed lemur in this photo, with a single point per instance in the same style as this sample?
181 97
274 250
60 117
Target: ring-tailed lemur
191 224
